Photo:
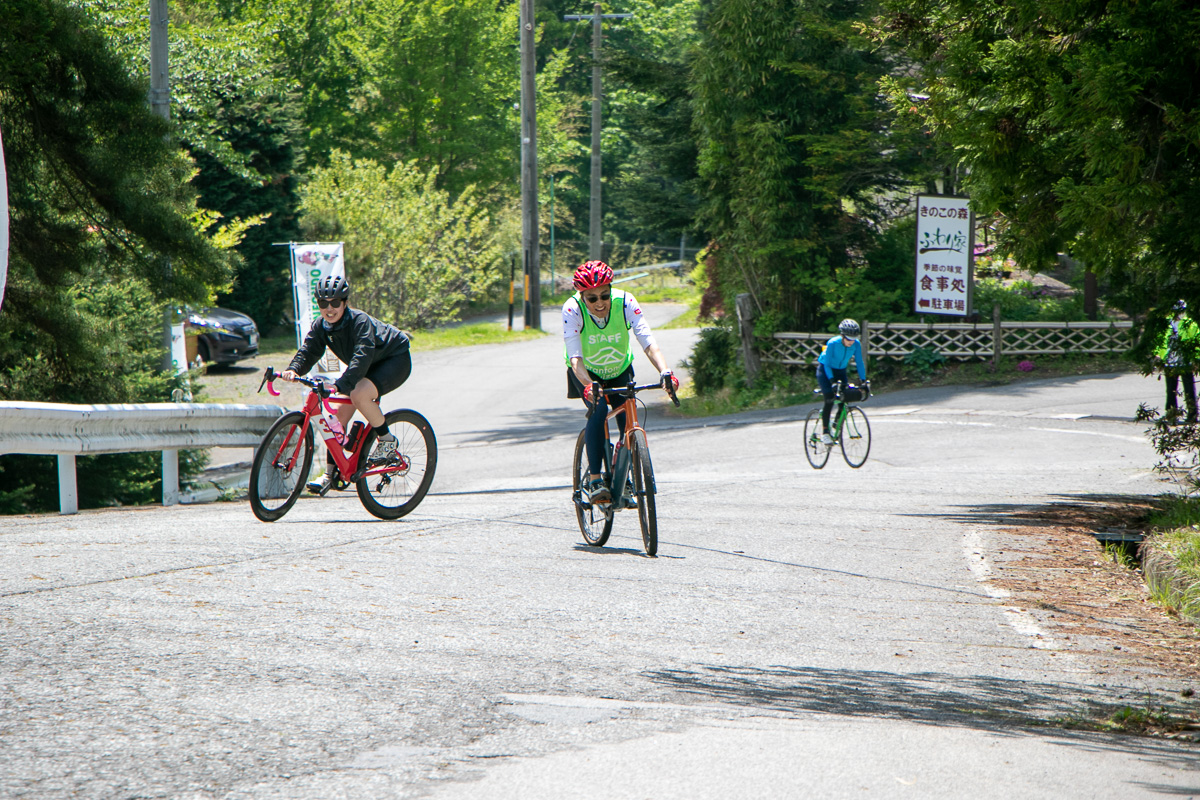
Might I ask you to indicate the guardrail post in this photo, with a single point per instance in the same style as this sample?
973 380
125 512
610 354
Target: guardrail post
68 496
745 315
170 469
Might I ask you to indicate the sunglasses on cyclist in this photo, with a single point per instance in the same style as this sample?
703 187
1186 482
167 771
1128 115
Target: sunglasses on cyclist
335 303
596 298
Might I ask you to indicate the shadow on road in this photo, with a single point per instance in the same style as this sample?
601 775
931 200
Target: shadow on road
531 426
996 704
610 551
1091 511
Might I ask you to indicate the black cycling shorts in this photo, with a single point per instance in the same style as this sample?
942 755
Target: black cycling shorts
389 374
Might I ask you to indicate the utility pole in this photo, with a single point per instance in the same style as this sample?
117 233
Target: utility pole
160 90
160 104
594 237
529 173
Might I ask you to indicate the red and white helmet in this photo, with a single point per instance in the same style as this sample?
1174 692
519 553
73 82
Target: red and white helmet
592 274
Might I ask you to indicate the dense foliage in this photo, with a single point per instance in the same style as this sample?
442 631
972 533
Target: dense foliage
416 255
795 150
1076 121
104 231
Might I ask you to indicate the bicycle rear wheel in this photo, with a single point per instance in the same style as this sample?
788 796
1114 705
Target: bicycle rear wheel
643 486
393 488
856 437
280 467
817 453
595 522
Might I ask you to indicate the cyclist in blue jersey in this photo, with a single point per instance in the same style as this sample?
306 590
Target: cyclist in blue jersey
598 348
832 366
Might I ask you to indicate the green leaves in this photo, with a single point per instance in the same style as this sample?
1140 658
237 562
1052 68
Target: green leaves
1075 120
796 153
414 255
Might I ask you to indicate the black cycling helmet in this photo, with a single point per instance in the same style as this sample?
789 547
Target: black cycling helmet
333 287
849 328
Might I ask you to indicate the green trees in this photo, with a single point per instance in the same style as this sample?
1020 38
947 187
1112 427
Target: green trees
415 254
96 197
795 152
1076 121
104 230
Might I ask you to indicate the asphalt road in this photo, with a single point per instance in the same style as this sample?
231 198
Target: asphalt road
801 634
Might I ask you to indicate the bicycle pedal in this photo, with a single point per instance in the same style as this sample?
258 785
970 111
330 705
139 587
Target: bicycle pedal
629 502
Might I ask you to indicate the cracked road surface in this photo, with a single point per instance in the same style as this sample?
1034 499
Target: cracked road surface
801 634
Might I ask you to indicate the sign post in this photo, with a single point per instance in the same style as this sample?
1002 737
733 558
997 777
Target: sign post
945 260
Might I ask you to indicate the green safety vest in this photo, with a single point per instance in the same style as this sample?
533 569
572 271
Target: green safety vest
606 352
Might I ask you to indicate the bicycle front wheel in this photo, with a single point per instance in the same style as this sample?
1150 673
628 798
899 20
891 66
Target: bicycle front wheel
280 467
394 486
643 487
595 522
817 453
856 437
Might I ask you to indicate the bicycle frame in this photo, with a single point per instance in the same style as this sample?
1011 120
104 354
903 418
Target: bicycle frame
616 466
321 409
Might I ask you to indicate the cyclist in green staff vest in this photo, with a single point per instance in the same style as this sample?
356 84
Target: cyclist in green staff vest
599 349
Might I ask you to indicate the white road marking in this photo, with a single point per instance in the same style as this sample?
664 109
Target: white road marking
1020 621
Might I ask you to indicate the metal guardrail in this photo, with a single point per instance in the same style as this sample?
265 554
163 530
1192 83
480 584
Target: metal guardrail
67 431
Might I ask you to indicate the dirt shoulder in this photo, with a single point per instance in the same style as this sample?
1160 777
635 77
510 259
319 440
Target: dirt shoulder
1099 607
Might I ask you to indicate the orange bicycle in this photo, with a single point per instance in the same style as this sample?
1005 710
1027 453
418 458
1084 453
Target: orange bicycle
630 453
388 487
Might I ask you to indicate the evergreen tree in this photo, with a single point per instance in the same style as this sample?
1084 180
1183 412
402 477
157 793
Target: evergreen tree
103 229
796 155
1078 122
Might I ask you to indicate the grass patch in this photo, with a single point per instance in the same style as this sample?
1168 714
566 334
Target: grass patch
277 343
1138 721
788 391
465 335
1171 556
688 319
778 387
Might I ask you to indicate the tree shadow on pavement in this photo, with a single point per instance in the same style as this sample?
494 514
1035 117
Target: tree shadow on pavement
1097 511
995 704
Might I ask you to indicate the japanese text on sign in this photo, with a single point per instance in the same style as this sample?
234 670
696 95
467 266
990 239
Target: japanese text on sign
943 256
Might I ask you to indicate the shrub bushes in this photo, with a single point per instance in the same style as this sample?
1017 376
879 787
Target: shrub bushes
714 359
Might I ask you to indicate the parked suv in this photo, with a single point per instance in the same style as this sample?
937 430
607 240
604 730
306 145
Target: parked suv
221 336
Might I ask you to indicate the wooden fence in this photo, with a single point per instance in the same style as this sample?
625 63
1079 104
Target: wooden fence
954 341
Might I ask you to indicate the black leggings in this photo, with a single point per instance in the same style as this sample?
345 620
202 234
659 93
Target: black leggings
594 438
827 390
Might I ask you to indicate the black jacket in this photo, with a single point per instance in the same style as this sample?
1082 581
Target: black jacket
358 339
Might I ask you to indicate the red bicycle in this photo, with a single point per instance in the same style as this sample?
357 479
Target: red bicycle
388 487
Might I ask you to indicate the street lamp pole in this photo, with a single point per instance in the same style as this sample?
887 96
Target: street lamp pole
594 237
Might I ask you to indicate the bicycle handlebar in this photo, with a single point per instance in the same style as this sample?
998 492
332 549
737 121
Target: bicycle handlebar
318 386
839 389
633 388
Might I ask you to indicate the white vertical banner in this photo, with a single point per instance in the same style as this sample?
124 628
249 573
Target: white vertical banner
945 240
310 263
178 348
3 223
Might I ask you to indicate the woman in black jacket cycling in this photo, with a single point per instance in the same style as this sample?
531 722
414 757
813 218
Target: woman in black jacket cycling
377 361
